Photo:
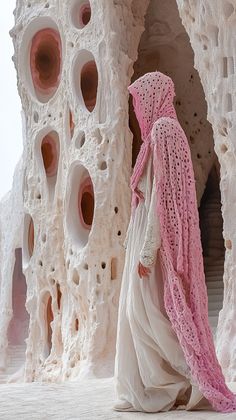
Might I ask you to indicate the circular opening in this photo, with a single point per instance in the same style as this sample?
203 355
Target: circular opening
45 62
36 117
103 166
89 84
81 14
80 140
28 240
31 237
85 14
76 324
86 79
80 207
86 203
50 152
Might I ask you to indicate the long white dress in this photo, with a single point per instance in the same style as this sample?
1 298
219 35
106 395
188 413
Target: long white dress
150 370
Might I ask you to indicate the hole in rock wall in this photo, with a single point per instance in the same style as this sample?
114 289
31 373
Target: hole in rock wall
86 203
80 209
86 79
89 83
31 237
45 62
102 166
80 13
80 140
165 46
211 224
19 324
49 319
59 296
72 124
28 239
76 325
36 117
50 150
50 153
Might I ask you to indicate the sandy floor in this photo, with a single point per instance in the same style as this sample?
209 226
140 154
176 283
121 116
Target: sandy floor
91 399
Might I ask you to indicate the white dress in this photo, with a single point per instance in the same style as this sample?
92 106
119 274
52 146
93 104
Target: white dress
150 370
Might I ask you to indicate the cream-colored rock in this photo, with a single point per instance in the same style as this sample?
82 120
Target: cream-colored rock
73 70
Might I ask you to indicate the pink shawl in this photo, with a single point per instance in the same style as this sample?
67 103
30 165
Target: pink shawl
185 293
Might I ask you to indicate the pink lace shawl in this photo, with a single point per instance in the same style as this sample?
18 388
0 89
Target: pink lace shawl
185 293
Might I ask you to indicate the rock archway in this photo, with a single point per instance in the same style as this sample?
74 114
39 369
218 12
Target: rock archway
165 46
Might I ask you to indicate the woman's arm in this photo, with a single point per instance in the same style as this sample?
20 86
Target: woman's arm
152 239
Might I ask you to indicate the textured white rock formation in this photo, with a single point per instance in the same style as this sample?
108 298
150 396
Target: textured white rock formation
73 270
73 71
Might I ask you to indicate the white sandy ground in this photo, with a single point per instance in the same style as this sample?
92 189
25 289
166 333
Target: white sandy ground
82 400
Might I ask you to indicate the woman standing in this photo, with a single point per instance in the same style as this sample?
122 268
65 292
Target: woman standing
165 352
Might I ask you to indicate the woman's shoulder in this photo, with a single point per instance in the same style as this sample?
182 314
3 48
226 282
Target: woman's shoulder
165 126
165 122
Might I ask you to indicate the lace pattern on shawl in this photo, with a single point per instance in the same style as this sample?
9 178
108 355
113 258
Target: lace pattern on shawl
185 292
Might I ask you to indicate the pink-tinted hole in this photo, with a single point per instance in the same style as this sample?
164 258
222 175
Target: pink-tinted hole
72 125
31 238
86 203
89 84
50 318
85 14
45 61
50 154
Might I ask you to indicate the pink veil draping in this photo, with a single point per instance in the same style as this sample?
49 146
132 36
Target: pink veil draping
185 293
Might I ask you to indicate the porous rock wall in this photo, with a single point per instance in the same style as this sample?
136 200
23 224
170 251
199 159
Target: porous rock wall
74 62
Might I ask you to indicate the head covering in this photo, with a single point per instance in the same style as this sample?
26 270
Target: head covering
185 293
153 96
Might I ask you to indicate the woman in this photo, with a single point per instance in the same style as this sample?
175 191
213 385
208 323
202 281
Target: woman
165 352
